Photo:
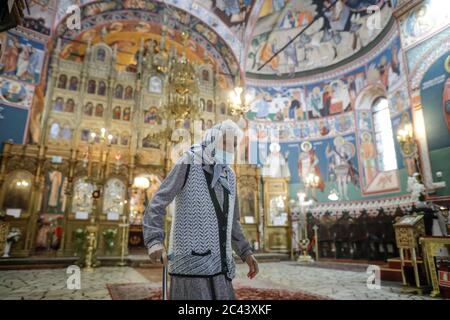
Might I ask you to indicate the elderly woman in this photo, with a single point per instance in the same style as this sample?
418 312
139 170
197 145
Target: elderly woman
205 225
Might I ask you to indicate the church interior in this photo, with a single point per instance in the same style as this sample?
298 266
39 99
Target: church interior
343 174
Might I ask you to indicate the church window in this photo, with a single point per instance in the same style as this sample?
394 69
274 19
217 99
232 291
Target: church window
384 136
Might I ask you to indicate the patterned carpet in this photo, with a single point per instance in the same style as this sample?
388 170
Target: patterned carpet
144 291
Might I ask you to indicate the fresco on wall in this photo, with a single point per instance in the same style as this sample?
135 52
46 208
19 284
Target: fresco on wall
435 95
13 123
41 17
22 59
423 20
331 109
313 101
337 34
333 160
15 93
387 68
416 54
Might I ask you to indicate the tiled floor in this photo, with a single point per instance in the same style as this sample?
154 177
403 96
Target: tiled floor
336 284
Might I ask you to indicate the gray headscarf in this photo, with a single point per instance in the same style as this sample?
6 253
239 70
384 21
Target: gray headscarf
205 152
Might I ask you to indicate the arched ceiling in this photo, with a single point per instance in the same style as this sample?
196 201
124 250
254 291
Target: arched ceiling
221 24
243 33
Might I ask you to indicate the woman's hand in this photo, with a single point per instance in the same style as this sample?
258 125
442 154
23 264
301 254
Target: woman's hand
253 268
157 254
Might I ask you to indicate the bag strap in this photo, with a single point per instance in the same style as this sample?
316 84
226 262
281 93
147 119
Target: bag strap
188 169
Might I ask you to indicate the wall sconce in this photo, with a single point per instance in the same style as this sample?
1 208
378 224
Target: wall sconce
405 137
141 183
405 134
23 184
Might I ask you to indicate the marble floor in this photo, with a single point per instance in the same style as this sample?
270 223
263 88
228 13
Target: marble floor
335 284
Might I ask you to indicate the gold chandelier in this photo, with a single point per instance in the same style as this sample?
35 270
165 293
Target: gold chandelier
183 88
239 101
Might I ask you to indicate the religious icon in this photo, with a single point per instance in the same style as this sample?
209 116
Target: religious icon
151 116
55 130
101 55
13 92
117 112
88 109
128 93
66 133
368 154
101 88
92 85
276 164
59 104
446 98
155 85
99 111
126 114
62 82
205 75
308 164
119 92
70 106
209 106
340 166
202 105
124 139
73 84
82 196
115 192
85 135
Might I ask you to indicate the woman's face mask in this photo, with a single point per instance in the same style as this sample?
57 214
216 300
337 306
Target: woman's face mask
224 157
225 150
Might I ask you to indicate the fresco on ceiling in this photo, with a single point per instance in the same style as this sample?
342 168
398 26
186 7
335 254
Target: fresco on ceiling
21 58
426 18
234 13
193 7
336 34
101 13
41 17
